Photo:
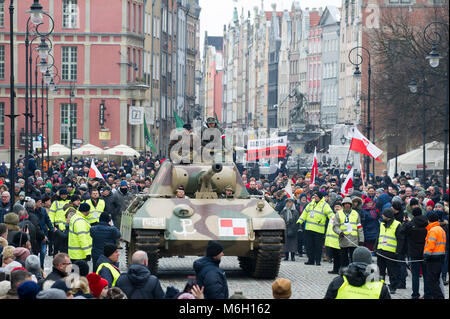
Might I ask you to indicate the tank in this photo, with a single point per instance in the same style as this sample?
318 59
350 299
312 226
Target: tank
164 226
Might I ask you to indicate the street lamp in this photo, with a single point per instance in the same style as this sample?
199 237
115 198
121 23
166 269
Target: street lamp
357 75
433 59
414 88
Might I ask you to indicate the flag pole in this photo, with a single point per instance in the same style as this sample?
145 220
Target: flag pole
362 172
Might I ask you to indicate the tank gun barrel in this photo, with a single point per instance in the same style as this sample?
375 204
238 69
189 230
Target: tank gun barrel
215 168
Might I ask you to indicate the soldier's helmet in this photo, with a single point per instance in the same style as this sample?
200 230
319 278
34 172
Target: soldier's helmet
210 120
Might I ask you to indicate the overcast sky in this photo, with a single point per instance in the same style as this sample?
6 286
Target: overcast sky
217 13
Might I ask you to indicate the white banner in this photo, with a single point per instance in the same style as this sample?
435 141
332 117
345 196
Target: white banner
267 147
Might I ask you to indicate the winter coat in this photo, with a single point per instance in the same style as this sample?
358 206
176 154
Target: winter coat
371 223
44 220
383 201
61 239
4 209
210 276
102 234
124 200
53 276
415 233
290 217
111 204
138 283
356 277
348 240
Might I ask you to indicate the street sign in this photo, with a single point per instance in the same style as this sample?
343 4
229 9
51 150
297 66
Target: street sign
136 115
77 141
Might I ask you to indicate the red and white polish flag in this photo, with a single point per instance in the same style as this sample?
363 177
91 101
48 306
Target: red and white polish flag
93 171
348 183
232 227
362 145
315 169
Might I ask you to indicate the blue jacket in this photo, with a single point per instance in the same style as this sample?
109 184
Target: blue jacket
138 283
102 234
44 220
371 224
210 276
383 201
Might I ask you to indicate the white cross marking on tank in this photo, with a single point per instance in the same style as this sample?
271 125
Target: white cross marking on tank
185 223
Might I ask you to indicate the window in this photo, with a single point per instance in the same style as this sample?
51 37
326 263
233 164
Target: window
2 62
2 14
2 123
68 112
70 14
69 63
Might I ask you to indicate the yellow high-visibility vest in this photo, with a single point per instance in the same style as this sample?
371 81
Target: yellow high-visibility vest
80 240
331 238
370 290
57 214
352 221
315 216
387 240
95 211
114 272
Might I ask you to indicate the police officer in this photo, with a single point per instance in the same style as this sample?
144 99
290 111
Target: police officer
80 240
315 216
389 244
347 224
355 282
97 206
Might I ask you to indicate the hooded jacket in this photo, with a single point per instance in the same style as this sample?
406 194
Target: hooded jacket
102 234
356 277
383 201
210 276
415 233
138 283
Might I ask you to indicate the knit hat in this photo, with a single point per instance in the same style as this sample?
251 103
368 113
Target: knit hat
281 288
362 255
105 217
12 265
82 266
51 293
61 284
430 203
319 194
28 290
75 197
213 249
123 183
96 284
32 263
84 208
21 253
17 208
432 217
63 191
388 212
416 211
186 295
413 201
397 205
109 249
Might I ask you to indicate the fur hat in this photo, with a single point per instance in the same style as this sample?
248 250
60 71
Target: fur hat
281 288
115 293
11 218
96 284
214 248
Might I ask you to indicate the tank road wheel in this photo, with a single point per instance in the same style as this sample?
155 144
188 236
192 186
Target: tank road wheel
266 263
149 241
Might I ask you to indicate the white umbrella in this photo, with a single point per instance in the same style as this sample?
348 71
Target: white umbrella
121 150
56 150
88 150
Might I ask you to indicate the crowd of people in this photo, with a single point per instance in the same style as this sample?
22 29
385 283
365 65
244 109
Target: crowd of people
64 213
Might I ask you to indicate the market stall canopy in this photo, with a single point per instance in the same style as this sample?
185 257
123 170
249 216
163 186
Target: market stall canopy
88 150
413 160
121 150
56 150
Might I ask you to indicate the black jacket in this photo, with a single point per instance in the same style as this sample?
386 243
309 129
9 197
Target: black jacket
210 276
356 277
138 283
415 233
53 276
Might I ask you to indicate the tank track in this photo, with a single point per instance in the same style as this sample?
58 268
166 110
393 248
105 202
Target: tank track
149 241
265 261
